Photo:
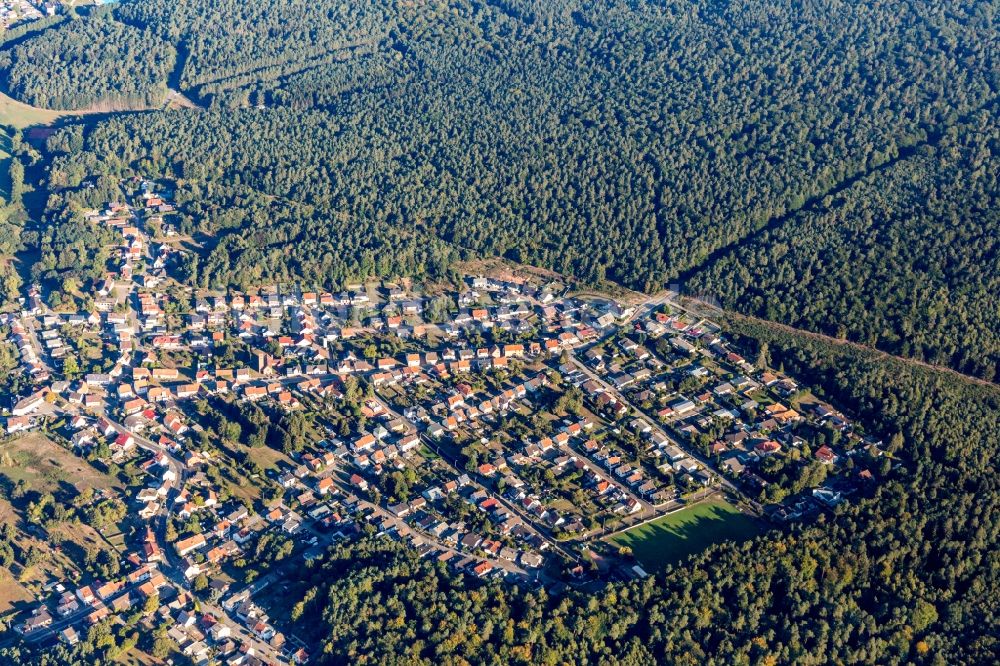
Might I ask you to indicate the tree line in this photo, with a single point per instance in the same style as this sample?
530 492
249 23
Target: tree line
905 260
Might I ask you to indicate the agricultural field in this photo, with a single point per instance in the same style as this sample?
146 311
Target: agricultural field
673 537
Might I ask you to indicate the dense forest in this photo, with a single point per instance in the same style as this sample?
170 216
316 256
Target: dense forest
636 142
229 44
909 574
907 259
313 244
88 62
613 140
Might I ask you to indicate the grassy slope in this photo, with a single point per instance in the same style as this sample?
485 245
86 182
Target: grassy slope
20 115
45 467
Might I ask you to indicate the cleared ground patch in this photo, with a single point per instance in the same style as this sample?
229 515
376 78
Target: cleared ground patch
46 467
136 657
671 538
12 592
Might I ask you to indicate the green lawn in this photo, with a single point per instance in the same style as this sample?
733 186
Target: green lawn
671 538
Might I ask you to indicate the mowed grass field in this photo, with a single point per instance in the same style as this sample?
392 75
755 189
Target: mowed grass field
20 115
671 538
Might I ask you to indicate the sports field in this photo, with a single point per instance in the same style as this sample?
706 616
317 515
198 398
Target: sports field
671 538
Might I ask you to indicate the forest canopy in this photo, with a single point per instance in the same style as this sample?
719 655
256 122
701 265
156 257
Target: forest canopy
906 259
605 139
93 62
643 143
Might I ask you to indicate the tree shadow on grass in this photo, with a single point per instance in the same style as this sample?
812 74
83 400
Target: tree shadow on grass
662 544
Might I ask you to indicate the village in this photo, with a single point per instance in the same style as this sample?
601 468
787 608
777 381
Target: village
506 427
17 13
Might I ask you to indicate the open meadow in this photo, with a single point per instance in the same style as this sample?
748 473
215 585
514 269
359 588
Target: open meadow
18 114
